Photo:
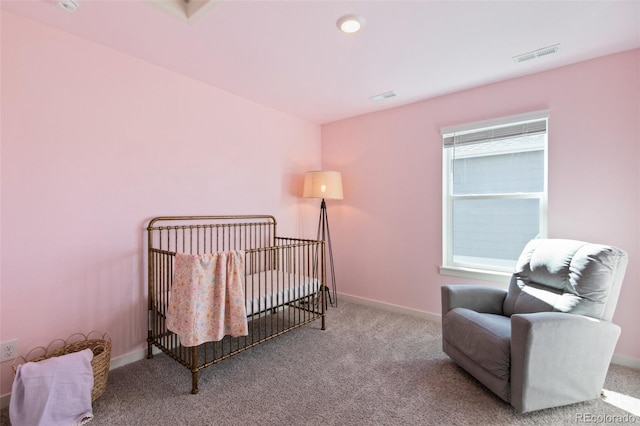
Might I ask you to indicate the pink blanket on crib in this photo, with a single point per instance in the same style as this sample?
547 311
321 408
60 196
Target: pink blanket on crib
207 297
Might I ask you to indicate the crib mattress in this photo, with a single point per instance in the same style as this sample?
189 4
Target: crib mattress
268 289
272 288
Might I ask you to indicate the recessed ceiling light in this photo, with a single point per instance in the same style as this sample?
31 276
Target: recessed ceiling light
68 5
350 23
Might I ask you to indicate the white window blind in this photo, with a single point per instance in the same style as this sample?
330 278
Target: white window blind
494 191
495 134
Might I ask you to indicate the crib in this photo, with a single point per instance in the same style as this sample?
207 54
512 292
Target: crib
284 282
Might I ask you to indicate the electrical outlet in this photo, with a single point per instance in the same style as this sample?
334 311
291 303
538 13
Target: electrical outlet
8 350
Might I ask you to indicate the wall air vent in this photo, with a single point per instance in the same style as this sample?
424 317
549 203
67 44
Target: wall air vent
383 96
545 51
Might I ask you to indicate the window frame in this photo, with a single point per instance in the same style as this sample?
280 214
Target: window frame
467 270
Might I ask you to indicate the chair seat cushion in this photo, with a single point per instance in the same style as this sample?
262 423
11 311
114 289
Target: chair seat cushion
484 338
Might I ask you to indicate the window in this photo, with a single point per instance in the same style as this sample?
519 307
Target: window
494 192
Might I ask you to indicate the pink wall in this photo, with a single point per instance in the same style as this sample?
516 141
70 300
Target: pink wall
387 231
94 143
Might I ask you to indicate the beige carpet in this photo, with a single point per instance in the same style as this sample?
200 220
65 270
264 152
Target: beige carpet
370 367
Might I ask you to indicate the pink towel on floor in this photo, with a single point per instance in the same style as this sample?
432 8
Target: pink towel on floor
207 297
55 391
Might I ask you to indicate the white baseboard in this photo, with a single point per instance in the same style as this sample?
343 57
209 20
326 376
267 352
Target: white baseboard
623 360
626 361
390 307
134 356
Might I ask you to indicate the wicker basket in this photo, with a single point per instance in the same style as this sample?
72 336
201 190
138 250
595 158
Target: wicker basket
101 347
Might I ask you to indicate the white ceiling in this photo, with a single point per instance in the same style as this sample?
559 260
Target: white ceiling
289 55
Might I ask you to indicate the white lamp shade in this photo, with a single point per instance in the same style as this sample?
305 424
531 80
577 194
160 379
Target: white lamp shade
323 184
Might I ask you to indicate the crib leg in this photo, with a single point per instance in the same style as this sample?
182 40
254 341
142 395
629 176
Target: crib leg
194 382
149 346
149 350
194 370
150 336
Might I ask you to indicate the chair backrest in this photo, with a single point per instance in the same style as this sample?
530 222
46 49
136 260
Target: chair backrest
556 275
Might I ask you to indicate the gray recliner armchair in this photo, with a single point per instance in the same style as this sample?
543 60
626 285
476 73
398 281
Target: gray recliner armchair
548 340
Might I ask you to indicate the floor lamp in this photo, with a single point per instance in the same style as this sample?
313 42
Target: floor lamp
328 186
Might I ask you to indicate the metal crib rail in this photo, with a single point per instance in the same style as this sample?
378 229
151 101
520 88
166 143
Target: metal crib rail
275 266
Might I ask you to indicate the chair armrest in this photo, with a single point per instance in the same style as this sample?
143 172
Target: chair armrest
558 358
478 298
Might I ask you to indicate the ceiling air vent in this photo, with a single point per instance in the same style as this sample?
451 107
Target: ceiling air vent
545 51
383 96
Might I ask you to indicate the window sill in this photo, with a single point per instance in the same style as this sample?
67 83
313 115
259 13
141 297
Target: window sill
477 274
